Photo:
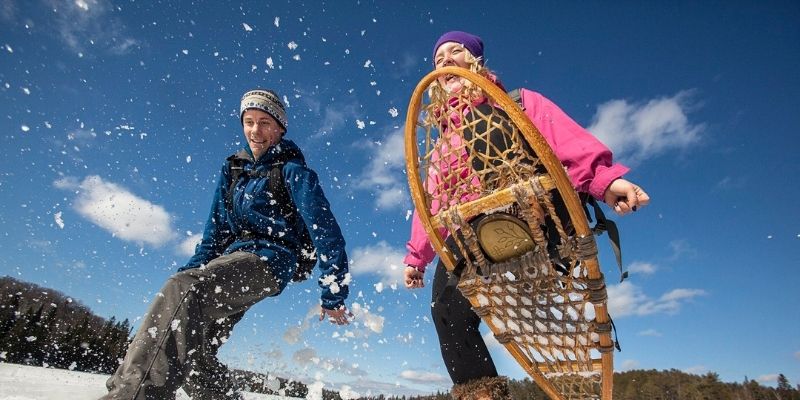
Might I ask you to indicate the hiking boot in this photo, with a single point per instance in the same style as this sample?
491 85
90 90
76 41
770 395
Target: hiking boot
486 388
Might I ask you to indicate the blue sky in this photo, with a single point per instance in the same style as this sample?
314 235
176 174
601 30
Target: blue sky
116 117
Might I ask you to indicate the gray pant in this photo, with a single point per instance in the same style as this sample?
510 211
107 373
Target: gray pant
177 342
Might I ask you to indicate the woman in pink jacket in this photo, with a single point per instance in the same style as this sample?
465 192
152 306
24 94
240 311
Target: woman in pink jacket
590 169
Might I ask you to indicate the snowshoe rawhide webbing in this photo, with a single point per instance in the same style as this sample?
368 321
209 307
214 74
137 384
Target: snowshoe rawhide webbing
481 173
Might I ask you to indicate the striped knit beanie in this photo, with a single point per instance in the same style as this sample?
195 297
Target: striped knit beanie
266 101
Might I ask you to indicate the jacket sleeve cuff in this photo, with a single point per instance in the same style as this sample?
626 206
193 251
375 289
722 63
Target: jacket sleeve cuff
412 261
420 268
332 304
603 177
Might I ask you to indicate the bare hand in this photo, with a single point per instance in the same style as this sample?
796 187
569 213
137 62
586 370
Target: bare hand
624 197
339 316
413 278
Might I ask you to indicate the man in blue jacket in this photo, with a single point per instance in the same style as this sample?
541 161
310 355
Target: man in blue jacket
249 251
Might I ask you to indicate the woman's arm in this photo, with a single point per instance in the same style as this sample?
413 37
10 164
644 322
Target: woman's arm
588 162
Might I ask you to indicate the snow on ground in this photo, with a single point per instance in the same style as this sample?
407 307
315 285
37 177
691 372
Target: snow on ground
23 382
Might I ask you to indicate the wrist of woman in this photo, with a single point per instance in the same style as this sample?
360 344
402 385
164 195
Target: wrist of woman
420 269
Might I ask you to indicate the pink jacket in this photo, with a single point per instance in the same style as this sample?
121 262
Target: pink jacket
588 163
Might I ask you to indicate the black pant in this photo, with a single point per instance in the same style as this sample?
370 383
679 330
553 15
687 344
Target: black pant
463 350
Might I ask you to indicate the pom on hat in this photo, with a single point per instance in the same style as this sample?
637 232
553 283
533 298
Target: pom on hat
470 42
264 100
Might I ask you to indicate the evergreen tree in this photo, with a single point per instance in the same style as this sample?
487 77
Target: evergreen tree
784 389
8 318
20 346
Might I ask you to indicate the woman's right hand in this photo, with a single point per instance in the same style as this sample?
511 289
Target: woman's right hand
625 197
413 278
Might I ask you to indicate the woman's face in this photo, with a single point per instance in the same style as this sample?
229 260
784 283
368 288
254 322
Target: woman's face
261 131
447 55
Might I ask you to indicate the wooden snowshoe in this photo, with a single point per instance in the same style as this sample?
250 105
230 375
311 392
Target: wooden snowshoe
481 174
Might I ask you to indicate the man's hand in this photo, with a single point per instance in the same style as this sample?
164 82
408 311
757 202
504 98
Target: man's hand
339 316
413 278
625 197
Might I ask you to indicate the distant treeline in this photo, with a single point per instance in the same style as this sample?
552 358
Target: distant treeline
40 326
655 385
43 327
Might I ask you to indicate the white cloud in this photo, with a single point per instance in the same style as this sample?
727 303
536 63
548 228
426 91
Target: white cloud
380 259
628 365
362 314
423 377
768 379
492 343
85 24
81 136
188 245
305 356
384 172
293 334
680 249
626 299
644 268
733 183
124 46
636 132
119 211
334 116
650 332
676 295
308 357
8 11
696 370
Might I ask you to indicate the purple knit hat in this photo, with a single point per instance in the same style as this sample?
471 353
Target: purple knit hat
470 42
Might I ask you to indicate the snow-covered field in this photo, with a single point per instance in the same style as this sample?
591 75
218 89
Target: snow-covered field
22 382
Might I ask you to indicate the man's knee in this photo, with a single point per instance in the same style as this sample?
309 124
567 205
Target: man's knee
187 277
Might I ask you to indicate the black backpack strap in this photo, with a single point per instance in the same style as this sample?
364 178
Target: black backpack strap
306 256
277 185
604 224
236 164
516 95
280 194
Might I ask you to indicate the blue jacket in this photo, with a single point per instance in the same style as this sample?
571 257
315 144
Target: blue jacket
254 210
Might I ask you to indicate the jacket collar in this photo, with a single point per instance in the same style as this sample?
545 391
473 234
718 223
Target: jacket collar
283 150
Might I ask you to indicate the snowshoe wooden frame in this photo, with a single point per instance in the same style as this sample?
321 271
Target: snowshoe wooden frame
549 309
